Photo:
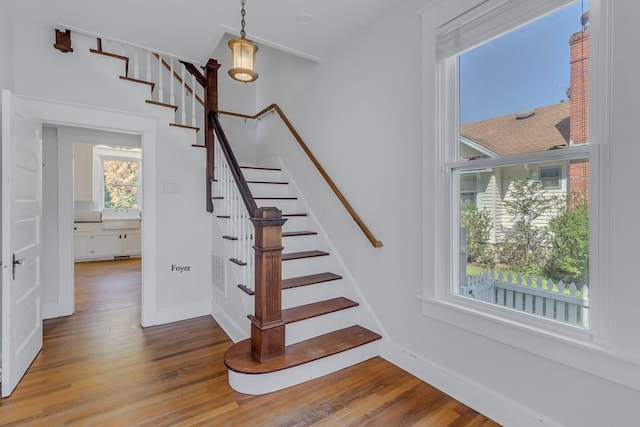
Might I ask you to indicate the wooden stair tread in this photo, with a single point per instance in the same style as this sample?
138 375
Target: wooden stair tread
238 356
178 125
268 182
295 214
298 233
162 104
260 168
311 279
144 82
226 237
111 55
307 311
276 198
303 254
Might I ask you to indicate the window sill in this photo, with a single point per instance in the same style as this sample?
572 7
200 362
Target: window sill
572 346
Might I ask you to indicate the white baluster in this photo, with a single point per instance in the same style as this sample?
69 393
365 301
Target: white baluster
183 102
148 66
193 100
136 66
160 82
172 99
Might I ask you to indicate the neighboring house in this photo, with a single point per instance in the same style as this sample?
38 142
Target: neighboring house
550 127
545 128
367 109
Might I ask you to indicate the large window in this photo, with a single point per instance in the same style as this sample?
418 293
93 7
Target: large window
117 176
518 80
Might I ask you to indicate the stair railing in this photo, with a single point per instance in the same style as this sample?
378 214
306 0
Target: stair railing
171 82
274 107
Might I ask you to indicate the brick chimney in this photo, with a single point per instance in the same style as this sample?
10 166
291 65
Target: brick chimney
579 106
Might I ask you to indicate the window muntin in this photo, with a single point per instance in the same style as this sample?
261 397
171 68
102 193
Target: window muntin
550 177
520 251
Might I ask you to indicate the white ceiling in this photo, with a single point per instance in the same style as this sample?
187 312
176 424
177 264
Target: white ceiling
191 29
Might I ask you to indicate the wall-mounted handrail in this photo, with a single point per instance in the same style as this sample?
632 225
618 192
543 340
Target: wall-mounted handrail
243 187
375 242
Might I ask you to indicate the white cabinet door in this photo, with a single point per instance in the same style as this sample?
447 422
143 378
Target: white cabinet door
104 245
81 245
131 243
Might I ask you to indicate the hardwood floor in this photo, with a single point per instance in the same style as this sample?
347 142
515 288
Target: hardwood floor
99 367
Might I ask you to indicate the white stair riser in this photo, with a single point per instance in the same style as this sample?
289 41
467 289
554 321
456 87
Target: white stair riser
295 297
310 328
267 383
113 68
138 90
299 243
261 175
273 190
295 223
303 267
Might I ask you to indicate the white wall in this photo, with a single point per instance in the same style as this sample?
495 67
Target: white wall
178 233
6 48
362 113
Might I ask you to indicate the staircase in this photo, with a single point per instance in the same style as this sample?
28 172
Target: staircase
320 308
321 323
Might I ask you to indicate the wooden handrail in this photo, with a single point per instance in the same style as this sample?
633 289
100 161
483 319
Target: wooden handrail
376 243
243 187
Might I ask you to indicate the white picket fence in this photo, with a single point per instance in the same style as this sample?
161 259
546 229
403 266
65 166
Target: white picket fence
565 303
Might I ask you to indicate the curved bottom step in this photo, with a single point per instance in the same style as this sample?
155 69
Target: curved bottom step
303 361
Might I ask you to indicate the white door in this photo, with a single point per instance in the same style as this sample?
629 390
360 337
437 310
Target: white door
21 236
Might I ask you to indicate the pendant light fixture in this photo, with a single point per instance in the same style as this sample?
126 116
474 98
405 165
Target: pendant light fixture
243 56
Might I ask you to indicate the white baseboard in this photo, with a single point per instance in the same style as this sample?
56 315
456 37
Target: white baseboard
228 325
490 403
182 312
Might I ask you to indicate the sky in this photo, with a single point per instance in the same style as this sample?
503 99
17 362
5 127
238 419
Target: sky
527 68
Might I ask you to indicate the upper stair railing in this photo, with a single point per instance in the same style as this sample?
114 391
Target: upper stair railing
171 84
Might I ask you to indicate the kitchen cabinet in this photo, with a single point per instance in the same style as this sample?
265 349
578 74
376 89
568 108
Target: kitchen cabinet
92 241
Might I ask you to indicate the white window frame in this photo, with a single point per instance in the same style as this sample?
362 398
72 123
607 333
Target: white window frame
560 178
511 327
102 153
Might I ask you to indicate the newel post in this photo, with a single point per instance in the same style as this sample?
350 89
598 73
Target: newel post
210 104
267 326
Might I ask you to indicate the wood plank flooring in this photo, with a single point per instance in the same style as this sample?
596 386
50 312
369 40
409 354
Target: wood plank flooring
100 368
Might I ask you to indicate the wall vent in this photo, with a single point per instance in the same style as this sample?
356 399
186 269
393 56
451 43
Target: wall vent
219 274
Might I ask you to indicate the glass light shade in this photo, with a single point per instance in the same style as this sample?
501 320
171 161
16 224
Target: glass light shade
243 60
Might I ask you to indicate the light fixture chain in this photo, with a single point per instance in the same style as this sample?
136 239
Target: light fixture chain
242 22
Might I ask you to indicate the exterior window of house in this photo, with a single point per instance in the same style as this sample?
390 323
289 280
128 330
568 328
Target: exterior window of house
468 189
517 81
117 174
550 176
